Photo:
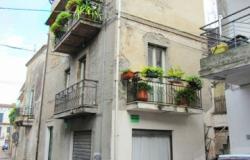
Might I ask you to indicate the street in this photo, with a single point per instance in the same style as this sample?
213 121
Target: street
4 155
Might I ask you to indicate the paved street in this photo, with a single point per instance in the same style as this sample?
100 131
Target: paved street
4 155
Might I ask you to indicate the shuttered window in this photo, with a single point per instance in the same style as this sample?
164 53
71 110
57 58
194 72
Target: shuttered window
151 145
82 145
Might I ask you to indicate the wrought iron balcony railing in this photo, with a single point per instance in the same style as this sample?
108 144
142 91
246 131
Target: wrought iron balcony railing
164 92
26 112
220 105
80 95
232 31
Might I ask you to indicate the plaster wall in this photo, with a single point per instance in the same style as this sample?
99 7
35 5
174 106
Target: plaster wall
172 13
238 101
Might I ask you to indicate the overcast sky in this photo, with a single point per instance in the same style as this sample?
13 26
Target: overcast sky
22 29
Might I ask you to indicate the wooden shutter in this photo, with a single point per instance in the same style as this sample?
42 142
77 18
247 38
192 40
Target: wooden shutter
82 145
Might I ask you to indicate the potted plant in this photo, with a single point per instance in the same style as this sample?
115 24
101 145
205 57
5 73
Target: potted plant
127 74
175 74
142 91
185 96
194 82
72 4
152 72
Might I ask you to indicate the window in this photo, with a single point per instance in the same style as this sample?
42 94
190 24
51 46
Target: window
81 145
8 129
82 68
156 56
151 145
50 143
31 99
67 77
1 117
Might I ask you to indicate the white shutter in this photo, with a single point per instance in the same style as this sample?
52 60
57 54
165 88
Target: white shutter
82 145
151 145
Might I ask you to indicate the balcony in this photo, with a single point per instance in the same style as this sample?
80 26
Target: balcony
25 116
78 99
57 6
78 30
228 56
162 97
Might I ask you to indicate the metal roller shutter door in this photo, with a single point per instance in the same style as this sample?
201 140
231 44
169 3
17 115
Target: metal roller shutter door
82 145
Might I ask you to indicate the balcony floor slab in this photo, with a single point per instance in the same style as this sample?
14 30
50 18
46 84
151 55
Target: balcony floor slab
161 108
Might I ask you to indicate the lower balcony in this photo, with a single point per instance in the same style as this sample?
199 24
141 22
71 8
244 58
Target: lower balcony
25 116
77 100
163 97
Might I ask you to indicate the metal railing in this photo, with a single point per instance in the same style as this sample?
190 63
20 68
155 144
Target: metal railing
26 112
162 92
81 94
75 19
232 30
220 105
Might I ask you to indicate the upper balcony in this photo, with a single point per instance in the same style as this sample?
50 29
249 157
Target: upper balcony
76 100
164 96
57 6
79 29
229 50
25 116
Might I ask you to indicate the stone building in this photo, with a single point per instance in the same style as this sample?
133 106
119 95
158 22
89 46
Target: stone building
86 111
28 108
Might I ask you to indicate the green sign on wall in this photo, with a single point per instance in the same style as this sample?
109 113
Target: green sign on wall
134 118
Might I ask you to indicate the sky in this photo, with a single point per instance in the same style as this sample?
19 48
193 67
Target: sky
21 29
28 30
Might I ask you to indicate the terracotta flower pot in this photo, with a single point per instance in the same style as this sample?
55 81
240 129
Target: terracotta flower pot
128 75
142 95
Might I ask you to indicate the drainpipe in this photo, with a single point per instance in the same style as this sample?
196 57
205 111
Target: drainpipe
117 79
41 106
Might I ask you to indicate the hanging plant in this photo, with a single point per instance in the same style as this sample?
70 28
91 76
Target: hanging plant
63 18
72 4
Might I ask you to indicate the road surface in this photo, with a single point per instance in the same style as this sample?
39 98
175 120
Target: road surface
4 155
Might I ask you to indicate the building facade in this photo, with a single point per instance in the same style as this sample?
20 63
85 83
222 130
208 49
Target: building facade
228 62
88 112
5 126
28 109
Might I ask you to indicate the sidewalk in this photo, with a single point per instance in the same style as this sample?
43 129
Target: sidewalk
4 155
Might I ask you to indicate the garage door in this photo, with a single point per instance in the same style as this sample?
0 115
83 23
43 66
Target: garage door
82 145
151 145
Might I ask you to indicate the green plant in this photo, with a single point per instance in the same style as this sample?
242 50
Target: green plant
144 86
96 14
194 82
175 72
73 3
63 18
152 72
186 95
12 115
55 27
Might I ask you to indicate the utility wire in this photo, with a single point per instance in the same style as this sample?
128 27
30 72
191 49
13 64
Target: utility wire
18 48
25 9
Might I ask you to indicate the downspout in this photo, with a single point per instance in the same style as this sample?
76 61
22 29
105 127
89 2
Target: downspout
41 106
117 79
